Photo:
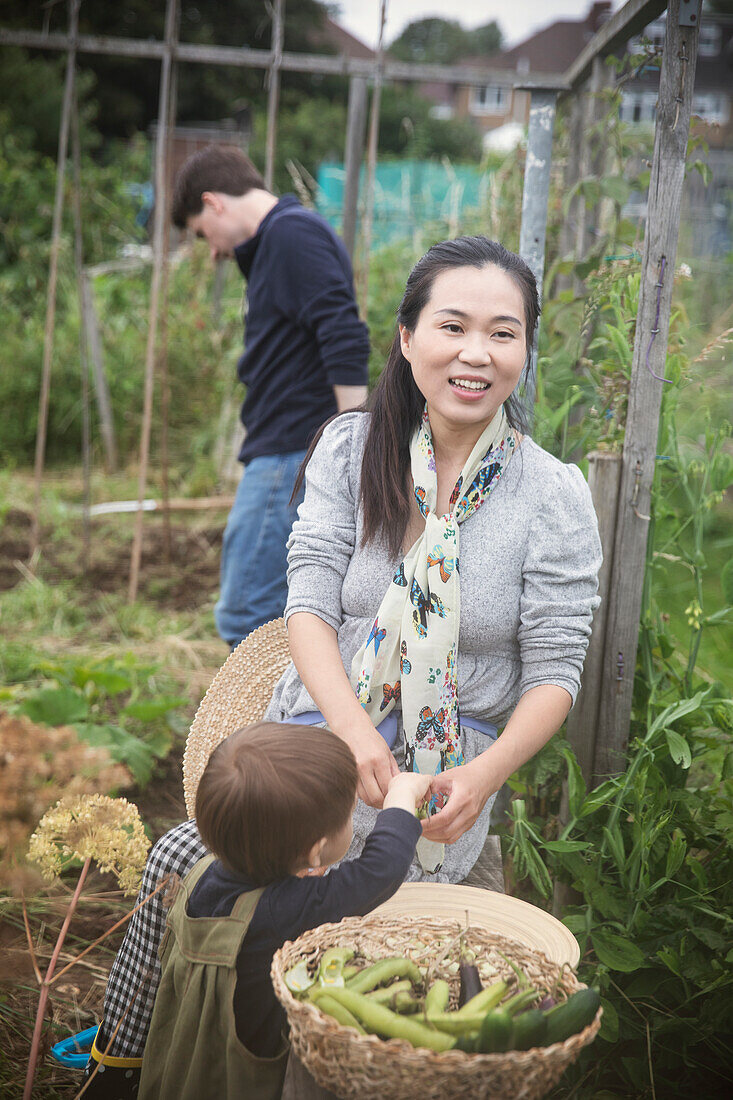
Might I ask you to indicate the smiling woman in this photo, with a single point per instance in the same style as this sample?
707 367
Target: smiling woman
440 557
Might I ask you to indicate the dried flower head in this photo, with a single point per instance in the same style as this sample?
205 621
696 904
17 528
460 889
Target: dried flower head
107 830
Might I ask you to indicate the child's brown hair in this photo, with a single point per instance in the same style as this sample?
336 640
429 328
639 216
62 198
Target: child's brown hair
270 792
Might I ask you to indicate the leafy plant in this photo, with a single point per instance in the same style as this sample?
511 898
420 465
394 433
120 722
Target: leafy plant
108 704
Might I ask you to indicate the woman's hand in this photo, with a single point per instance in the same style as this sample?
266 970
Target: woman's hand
374 760
467 791
315 652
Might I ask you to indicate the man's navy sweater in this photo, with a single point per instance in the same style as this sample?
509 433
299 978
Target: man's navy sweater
302 333
292 906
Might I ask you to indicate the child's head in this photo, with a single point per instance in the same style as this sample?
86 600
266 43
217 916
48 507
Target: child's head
274 794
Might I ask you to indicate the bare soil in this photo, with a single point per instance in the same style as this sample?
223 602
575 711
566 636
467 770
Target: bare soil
179 576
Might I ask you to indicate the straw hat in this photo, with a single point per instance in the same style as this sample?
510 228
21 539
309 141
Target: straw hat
238 696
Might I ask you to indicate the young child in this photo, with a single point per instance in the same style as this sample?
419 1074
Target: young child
274 800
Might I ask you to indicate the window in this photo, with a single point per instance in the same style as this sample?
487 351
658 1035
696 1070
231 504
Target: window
709 42
489 99
711 107
639 106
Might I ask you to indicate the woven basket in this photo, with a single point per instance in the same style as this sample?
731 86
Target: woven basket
365 1067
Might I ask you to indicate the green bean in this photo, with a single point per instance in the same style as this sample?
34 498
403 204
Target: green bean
330 972
387 993
383 971
340 1013
483 1001
455 1023
405 1003
437 997
382 1021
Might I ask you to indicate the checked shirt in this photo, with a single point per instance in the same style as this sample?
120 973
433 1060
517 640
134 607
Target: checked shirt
135 974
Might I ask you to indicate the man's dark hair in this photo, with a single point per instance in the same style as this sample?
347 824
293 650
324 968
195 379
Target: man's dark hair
216 168
270 792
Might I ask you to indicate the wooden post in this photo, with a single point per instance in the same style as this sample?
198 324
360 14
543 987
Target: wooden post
273 89
534 206
645 393
159 259
355 133
83 357
372 160
101 389
165 390
604 474
53 264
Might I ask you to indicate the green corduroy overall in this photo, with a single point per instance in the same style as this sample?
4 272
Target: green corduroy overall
192 1050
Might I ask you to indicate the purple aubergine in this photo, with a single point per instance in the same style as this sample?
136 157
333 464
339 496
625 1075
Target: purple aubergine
470 979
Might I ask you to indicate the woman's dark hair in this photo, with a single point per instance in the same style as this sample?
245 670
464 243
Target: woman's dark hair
396 405
270 792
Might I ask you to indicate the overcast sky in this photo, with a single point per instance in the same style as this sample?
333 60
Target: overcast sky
517 19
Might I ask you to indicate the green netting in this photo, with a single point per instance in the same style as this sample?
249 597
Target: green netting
407 195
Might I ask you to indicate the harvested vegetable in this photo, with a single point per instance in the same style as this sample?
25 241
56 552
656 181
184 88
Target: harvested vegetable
387 993
572 1015
376 1018
529 1030
470 978
486 999
496 1032
437 997
331 970
405 1003
340 1013
298 979
384 971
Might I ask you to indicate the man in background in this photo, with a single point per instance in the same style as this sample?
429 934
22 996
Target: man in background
305 358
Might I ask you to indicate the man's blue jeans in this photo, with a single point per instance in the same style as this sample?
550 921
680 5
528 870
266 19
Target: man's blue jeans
254 556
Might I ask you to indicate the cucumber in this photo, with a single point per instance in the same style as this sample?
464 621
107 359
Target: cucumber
529 1030
572 1016
496 1032
466 1043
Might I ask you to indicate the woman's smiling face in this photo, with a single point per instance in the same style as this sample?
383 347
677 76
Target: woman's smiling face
469 346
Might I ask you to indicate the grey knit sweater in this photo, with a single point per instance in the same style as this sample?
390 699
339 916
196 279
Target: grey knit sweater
530 558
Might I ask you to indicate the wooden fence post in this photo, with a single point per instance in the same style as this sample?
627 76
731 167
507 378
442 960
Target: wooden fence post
372 160
273 89
53 266
534 205
355 133
645 393
101 389
604 473
83 351
159 259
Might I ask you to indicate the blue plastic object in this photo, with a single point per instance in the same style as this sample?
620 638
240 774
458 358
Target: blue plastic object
74 1051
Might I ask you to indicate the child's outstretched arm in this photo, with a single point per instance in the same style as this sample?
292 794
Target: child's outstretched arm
407 791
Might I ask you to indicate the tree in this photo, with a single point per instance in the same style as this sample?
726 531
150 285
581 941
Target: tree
126 92
444 41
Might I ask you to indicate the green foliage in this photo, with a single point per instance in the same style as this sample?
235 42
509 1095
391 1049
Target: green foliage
444 41
648 852
406 128
126 89
111 703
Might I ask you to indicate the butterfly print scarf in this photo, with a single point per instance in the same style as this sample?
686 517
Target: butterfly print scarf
410 654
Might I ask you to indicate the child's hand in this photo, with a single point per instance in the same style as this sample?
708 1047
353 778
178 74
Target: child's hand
407 790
